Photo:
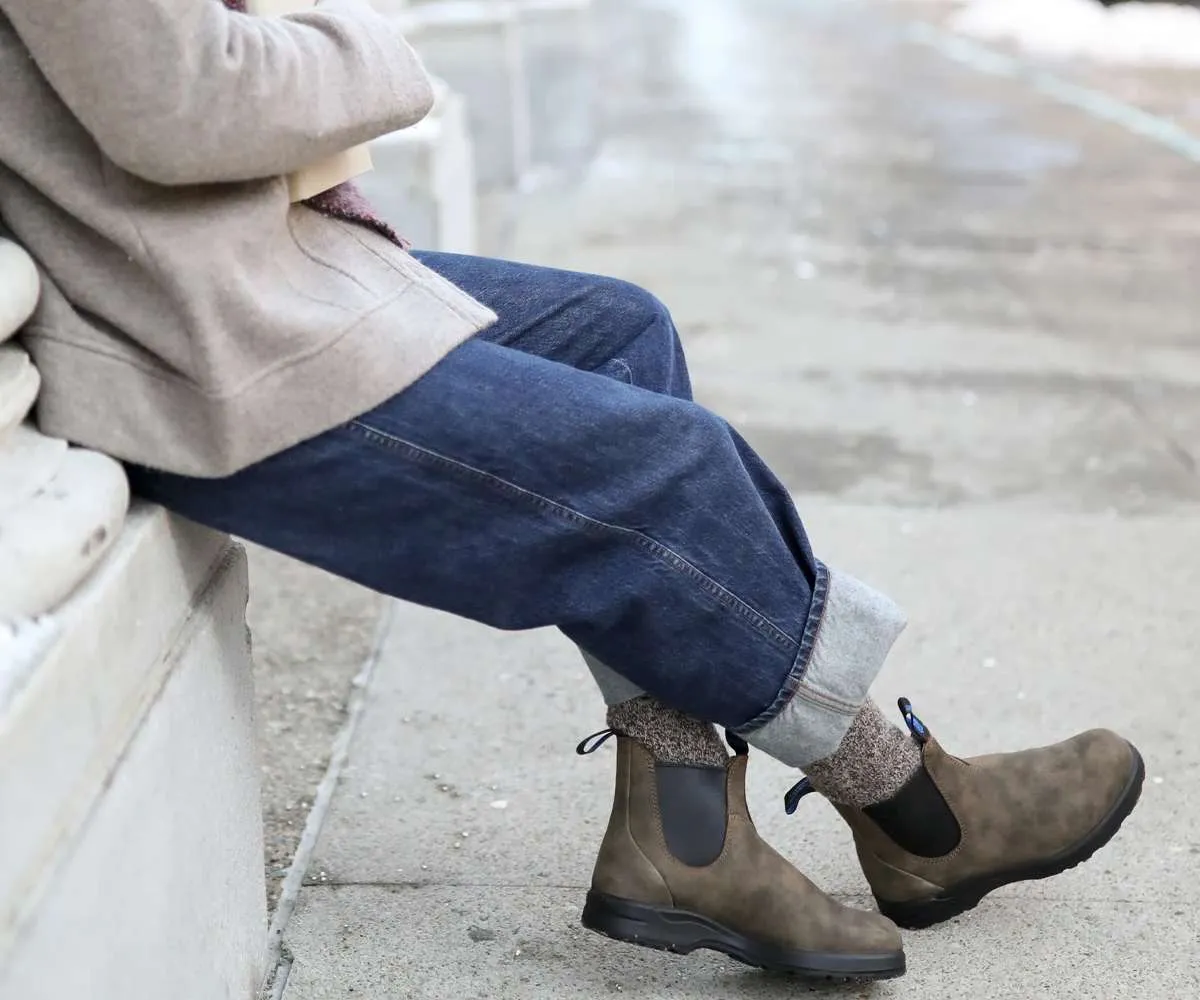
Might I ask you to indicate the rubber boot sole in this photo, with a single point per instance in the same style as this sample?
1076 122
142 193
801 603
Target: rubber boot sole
966 895
668 929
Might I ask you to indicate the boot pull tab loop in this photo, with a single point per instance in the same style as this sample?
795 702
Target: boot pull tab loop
590 744
738 745
794 794
915 726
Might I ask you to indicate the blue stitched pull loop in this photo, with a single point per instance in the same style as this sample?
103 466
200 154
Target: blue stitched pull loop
794 794
915 725
590 744
738 745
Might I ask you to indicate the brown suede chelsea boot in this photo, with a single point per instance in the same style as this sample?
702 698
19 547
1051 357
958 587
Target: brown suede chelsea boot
962 828
682 867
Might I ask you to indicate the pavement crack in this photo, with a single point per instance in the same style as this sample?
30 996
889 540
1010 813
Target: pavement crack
438 884
1174 447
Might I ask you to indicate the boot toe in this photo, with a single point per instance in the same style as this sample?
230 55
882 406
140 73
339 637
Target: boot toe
865 932
1109 762
879 935
1082 781
840 929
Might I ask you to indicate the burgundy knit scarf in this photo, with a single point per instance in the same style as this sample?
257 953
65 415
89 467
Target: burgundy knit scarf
345 201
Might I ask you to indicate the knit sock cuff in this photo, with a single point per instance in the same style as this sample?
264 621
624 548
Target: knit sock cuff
872 763
671 736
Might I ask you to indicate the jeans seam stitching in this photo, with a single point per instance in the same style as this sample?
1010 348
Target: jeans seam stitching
793 685
665 554
825 701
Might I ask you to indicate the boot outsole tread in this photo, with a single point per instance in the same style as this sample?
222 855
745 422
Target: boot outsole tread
958 899
666 928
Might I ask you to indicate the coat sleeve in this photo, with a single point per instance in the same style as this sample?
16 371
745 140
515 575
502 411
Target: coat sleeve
188 92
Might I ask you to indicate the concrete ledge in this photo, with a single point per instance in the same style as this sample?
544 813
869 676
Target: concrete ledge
62 514
60 507
130 814
28 462
127 750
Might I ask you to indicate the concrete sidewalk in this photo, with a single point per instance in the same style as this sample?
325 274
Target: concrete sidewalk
958 319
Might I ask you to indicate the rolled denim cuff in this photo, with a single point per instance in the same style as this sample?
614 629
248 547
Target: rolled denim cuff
613 687
850 630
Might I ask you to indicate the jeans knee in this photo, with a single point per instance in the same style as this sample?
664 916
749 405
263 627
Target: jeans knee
652 312
648 345
693 440
633 307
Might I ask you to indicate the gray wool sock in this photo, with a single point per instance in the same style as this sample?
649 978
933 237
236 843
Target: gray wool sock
671 736
872 763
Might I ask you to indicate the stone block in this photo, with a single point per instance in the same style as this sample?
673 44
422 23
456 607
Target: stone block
29 461
61 512
129 780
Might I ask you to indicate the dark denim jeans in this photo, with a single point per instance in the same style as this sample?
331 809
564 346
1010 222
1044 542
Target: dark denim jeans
555 471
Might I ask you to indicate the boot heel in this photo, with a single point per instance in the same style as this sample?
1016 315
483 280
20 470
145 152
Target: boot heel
926 913
639 923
